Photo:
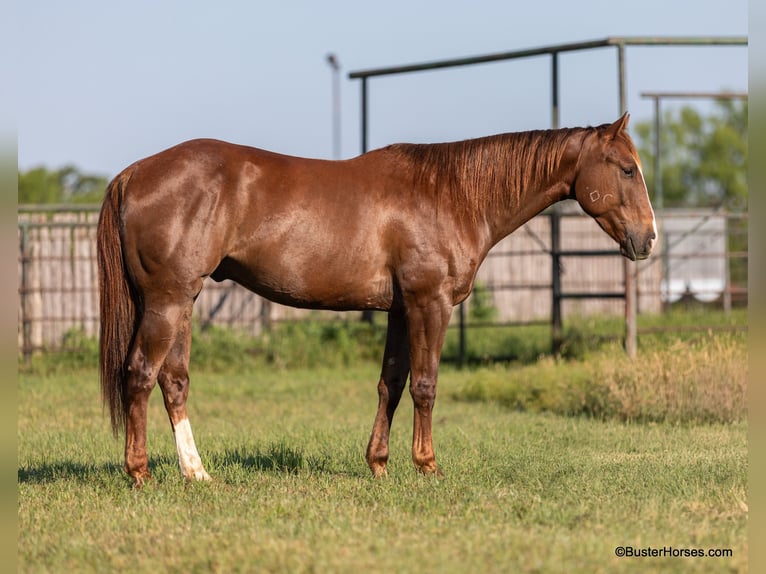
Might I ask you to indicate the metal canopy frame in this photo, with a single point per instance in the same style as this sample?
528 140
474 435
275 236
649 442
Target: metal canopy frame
620 44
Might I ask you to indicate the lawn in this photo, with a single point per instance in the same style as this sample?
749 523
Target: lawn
528 486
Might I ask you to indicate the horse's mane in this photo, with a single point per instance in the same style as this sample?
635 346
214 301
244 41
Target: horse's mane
486 173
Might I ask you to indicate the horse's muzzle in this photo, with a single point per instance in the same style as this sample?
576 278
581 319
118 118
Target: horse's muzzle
638 245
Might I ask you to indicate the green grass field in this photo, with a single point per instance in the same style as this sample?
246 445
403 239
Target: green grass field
532 483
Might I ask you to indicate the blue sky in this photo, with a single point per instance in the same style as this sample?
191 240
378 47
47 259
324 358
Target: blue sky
101 84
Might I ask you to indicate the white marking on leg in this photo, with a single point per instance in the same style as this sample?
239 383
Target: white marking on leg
188 457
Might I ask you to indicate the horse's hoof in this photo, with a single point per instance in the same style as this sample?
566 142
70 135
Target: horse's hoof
202 475
379 471
140 480
199 475
431 470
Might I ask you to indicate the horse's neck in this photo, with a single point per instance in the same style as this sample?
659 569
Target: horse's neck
521 205
524 204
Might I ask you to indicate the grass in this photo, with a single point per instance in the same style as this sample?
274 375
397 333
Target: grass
698 381
531 484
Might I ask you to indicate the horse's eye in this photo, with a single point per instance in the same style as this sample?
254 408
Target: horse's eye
628 171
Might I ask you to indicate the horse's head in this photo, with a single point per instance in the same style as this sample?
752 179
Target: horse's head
610 187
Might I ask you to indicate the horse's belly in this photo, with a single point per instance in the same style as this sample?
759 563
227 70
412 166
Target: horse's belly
337 300
316 283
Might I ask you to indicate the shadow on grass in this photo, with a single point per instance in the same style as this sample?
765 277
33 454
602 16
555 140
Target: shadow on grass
276 458
90 473
51 472
279 458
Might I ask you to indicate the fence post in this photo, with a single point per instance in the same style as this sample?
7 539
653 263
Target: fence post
631 308
26 326
726 263
556 323
265 315
461 348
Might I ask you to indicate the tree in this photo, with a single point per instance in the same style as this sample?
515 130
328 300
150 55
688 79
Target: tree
703 159
703 162
65 185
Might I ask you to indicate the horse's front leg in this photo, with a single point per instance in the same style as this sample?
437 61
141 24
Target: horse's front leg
427 325
393 376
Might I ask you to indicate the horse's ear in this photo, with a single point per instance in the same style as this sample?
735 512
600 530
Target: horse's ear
618 126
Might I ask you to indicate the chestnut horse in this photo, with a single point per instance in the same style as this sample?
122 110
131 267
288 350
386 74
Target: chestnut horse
401 229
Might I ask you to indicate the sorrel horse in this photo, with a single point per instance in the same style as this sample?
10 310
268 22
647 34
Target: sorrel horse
402 229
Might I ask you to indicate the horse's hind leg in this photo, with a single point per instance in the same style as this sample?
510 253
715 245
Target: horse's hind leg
393 376
154 338
174 382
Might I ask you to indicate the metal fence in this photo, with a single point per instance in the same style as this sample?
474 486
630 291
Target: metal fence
702 256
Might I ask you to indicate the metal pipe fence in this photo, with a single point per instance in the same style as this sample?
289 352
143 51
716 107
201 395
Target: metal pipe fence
523 279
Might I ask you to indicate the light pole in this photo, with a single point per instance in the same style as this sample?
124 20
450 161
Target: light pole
332 60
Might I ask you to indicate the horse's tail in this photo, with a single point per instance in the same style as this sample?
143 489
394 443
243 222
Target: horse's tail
117 303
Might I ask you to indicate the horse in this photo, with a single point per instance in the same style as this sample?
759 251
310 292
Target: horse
401 229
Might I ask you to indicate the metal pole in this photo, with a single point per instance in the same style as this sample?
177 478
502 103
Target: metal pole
556 324
659 198
364 114
555 219
462 345
332 59
555 90
621 77
629 267
367 315
631 310
659 194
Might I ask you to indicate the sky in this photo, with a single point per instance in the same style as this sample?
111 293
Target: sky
102 84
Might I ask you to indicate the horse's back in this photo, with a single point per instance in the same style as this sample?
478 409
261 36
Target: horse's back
180 207
304 232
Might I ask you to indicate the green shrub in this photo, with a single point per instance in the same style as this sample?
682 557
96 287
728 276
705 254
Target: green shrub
481 307
307 343
313 343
